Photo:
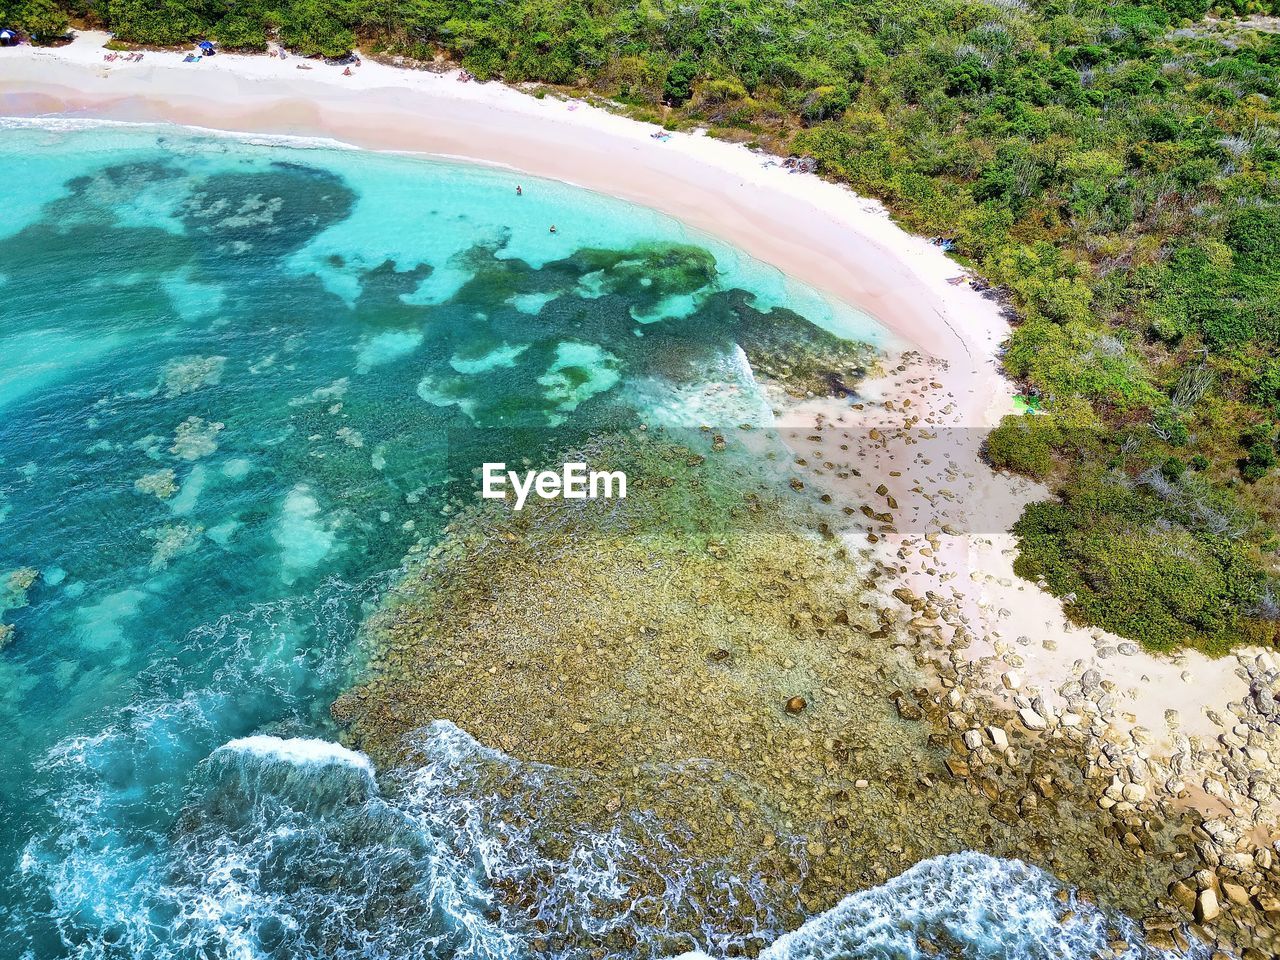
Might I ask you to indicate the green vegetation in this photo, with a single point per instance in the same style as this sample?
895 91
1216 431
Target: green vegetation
41 19
1156 557
1026 445
1111 168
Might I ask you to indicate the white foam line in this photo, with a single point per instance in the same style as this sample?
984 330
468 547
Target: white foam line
56 124
303 751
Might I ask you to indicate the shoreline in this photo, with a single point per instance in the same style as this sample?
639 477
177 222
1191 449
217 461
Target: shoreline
814 231
938 528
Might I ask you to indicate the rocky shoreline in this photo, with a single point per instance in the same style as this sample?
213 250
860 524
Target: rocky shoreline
763 684
1223 878
1196 813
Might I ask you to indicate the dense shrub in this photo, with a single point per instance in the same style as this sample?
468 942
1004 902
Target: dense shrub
1131 567
1025 444
44 20
1260 460
678 87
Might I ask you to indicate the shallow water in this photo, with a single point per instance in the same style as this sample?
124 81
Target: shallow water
239 381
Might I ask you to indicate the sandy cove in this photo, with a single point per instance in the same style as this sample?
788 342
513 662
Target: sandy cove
816 232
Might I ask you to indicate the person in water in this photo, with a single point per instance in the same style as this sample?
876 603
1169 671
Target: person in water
553 228
519 191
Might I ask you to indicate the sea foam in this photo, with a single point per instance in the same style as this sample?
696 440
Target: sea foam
977 907
300 750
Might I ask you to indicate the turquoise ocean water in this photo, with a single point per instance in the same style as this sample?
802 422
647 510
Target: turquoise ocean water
236 381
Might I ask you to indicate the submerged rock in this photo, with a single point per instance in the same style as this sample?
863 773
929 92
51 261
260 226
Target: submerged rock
188 374
14 587
160 484
172 540
13 596
195 438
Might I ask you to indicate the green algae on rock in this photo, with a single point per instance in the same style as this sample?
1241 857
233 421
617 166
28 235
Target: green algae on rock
653 641
701 654
13 596
802 358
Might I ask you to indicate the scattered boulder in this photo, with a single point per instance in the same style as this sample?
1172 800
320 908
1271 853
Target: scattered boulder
1207 909
1183 895
908 709
1134 792
1032 720
957 767
1235 893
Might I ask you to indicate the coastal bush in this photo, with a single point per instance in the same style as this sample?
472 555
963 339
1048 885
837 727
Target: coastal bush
240 33
1172 469
154 22
1024 443
678 87
314 27
1265 388
1135 564
1259 461
44 20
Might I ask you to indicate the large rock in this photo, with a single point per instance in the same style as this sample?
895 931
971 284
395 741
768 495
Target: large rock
1183 894
1032 720
1207 909
999 739
1269 905
908 709
1235 893
957 767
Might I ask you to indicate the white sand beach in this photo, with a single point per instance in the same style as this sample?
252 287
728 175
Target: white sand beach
817 232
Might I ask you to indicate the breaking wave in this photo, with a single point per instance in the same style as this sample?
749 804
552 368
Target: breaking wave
290 848
966 906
